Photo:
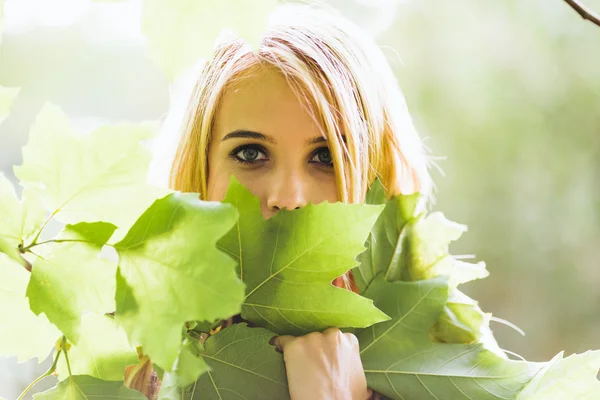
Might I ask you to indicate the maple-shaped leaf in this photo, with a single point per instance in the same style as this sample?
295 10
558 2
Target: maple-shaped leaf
100 176
170 272
22 333
402 361
180 32
289 261
83 387
72 277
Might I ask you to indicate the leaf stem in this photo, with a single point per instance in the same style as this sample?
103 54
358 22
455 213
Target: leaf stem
32 245
67 356
41 230
47 373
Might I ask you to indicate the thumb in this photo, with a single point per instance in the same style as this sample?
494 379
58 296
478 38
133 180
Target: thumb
282 341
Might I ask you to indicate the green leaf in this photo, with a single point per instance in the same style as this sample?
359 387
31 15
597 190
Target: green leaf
20 220
460 321
72 278
102 352
170 272
402 362
289 261
242 365
386 244
22 333
407 245
7 94
574 377
102 176
376 193
186 370
82 387
180 32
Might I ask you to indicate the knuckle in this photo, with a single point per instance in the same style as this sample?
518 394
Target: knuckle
353 339
333 333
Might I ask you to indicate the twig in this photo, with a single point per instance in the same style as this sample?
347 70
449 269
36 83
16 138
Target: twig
47 373
584 11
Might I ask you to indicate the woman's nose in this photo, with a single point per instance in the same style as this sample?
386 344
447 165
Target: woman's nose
289 192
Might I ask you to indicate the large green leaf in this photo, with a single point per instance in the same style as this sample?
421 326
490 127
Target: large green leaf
82 387
571 378
72 278
102 352
20 220
401 360
242 365
100 176
22 333
180 32
289 261
170 271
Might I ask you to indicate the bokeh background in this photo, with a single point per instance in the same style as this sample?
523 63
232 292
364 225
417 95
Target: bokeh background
507 92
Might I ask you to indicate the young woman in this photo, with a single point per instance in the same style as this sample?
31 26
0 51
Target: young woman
314 115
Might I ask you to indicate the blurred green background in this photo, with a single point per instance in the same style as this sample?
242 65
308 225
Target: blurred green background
507 91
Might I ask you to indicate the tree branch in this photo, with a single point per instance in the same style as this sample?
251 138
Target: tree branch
584 11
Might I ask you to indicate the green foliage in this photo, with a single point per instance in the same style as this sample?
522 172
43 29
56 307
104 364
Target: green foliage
73 278
20 220
101 178
180 32
402 362
102 352
573 377
81 387
22 333
171 272
420 337
437 343
406 244
289 261
187 368
242 364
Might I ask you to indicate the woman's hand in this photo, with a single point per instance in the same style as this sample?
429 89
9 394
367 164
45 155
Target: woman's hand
324 366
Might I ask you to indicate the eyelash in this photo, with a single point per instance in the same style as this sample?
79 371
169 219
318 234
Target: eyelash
234 156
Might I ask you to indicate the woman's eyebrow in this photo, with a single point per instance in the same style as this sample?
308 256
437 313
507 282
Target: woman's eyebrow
243 133
321 139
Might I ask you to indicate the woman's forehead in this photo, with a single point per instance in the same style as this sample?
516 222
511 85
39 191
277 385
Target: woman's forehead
263 101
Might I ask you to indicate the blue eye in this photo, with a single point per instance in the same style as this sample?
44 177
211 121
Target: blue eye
248 154
322 156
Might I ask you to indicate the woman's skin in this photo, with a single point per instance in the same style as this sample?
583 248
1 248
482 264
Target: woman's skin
288 167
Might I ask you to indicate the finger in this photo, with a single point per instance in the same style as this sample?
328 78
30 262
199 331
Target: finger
353 339
282 341
332 331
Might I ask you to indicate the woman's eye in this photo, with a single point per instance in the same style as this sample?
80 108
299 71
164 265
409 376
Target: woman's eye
248 155
323 156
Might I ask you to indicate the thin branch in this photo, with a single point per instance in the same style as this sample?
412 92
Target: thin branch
585 12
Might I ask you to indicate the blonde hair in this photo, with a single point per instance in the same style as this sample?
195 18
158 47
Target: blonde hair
343 79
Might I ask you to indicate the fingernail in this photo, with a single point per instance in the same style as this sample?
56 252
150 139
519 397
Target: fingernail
272 340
